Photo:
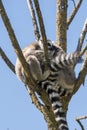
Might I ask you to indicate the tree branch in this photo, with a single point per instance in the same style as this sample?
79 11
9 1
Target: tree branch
15 44
74 2
79 81
82 36
83 51
78 120
82 75
47 110
34 21
82 127
44 108
61 23
6 60
74 13
34 99
42 29
83 72
81 118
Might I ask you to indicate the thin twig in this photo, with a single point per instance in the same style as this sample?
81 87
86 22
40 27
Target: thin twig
6 60
34 21
82 127
81 118
83 72
74 3
74 12
83 50
81 76
34 99
47 112
15 43
42 29
82 36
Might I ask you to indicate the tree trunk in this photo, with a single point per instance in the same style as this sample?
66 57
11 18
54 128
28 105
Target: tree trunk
61 23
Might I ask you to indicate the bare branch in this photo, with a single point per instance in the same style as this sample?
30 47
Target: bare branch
83 72
34 21
61 23
81 118
82 75
6 60
47 111
45 108
15 43
83 50
79 81
82 36
74 2
34 99
42 29
82 127
74 12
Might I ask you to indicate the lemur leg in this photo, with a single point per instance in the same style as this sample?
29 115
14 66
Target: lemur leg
35 67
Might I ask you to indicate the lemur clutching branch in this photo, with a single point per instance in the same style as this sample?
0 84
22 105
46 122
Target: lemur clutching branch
58 80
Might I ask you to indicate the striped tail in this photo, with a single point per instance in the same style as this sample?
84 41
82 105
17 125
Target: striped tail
54 97
64 60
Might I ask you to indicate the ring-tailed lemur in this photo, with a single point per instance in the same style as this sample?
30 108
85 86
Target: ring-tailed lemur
58 81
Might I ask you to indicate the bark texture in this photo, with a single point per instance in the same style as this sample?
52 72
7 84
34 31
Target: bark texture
61 23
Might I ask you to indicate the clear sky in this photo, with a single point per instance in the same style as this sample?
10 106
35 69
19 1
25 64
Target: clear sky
16 110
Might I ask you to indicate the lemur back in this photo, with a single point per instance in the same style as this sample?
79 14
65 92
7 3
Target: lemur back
58 81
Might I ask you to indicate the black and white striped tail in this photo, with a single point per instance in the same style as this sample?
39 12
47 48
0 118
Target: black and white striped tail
54 97
61 58
64 60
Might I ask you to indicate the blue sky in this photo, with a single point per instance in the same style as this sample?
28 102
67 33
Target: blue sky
16 110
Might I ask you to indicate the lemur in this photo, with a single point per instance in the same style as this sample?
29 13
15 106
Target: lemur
58 81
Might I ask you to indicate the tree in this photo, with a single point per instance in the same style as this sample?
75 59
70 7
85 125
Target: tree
60 34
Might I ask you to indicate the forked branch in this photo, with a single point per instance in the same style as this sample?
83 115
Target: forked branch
82 36
34 21
74 12
81 118
16 46
49 117
83 50
78 119
15 43
35 99
42 29
74 2
41 24
83 72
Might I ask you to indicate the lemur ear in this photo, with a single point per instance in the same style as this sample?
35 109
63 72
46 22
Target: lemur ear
49 42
